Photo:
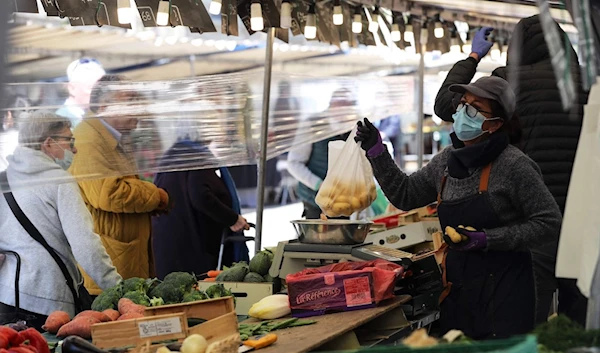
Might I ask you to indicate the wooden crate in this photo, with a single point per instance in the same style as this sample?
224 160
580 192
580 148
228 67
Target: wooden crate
206 309
246 294
169 322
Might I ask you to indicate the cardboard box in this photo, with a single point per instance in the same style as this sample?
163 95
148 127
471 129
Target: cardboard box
246 294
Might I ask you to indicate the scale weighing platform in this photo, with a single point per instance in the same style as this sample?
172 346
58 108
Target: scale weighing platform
293 256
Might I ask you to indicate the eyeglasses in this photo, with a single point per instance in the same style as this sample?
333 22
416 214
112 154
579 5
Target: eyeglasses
471 110
88 60
66 138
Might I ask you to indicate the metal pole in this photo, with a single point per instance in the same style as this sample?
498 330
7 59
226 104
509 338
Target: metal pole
420 117
192 65
264 130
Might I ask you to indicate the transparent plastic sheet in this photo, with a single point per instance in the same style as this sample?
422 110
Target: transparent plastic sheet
222 113
350 186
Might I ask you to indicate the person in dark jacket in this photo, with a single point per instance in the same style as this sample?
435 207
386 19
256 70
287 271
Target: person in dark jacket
205 205
492 204
550 136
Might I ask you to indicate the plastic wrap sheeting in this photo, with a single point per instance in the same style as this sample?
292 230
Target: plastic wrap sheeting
221 112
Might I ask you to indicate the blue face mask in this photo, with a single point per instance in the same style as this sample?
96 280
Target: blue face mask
466 127
66 161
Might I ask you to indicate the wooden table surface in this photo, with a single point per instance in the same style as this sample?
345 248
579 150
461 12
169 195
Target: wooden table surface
328 327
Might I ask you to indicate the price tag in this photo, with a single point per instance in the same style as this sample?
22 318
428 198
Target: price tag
159 327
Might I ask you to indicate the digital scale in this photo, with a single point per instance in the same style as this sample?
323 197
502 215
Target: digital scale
293 256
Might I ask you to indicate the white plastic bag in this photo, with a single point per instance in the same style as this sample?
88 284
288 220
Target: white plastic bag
348 186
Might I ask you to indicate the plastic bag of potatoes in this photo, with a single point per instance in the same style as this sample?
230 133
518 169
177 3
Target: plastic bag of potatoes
349 186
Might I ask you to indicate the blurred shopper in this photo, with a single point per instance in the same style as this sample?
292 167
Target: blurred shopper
550 135
58 214
205 204
309 163
16 107
120 203
82 74
389 128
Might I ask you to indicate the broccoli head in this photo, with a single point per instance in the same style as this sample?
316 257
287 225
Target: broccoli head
108 299
194 296
170 293
183 280
134 284
138 297
216 291
157 301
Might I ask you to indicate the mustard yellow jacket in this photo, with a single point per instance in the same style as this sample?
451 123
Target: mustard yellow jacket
120 203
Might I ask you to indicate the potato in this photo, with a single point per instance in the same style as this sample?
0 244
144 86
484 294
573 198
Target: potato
341 199
356 203
342 208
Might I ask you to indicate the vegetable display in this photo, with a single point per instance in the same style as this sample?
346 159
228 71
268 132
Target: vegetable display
264 327
25 341
271 307
561 334
256 271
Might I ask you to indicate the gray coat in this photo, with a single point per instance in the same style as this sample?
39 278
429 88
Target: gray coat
59 213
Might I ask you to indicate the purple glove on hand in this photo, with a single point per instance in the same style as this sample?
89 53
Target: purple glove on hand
481 46
475 240
370 139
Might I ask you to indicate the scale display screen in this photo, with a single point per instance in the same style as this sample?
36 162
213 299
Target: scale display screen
381 252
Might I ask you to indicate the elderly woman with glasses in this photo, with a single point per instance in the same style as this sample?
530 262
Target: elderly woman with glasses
493 207
50 199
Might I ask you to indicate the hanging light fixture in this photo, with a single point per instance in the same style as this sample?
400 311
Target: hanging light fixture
409 35
338 15
310 28
374 24
438 32
257 23
395 34
164 8
124 12
286 15
357 25
215 7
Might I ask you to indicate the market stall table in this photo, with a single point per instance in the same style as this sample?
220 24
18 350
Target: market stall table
333 326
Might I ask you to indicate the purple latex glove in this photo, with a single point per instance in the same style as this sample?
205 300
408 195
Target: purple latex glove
476 240
370 139
481 46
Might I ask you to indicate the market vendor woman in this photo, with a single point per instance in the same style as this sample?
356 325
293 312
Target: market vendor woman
485 184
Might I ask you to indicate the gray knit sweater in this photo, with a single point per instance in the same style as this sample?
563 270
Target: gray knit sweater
516 189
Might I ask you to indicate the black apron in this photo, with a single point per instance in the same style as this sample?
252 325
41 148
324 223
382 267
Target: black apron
489 294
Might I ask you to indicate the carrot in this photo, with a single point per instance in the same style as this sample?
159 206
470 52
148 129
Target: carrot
81 327
130 315
55 321
210 279
126 306
112 314
90 313
213 274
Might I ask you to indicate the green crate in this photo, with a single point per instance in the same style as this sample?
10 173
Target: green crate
520 344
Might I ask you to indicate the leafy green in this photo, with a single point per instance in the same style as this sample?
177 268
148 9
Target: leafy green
138 297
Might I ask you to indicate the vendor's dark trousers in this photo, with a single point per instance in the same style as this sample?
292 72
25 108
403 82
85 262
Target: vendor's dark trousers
7 313
570 300
313 212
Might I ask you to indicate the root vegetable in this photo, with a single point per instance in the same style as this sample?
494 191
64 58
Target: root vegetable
81 327
96 314
112 314
213 274
454 236
194 344
130 315
126 306
55 321
210 279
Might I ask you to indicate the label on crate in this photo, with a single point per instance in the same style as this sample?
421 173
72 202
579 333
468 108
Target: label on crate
358 291
159 327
